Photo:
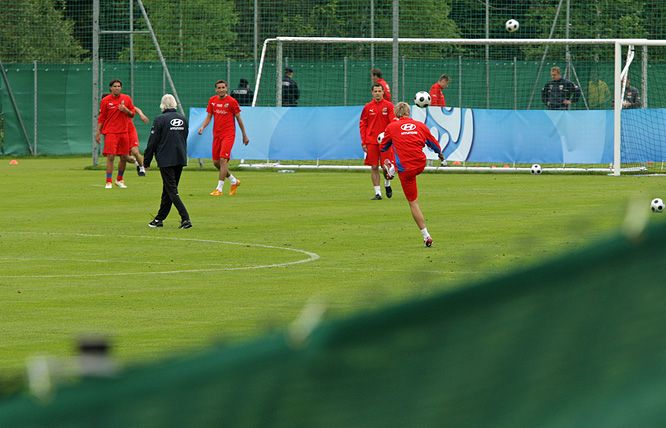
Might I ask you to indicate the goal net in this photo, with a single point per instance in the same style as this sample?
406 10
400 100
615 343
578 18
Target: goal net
494 74
640 103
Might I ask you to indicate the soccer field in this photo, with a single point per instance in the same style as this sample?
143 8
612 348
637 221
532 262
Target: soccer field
77 258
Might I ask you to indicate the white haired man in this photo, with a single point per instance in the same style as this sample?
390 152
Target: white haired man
168 143
408 137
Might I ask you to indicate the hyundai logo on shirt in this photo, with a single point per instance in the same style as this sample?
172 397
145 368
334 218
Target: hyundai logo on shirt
176 124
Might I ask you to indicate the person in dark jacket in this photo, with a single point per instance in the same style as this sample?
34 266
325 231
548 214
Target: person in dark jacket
559 93
168 143
243 94
632 98
290 92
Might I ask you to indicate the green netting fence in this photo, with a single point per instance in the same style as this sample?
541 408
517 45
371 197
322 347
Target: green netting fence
60 95
576 342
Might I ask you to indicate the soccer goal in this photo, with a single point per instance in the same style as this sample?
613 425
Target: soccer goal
497 74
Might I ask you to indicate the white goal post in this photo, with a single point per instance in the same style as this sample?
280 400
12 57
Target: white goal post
279 43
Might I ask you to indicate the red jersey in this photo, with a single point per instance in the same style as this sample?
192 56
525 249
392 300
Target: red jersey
374 118
437 96
113 120
408 136
224 111
387 89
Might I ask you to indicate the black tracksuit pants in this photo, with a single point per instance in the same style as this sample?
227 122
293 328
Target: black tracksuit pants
170 180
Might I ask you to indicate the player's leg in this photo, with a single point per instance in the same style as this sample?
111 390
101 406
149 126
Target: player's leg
120 180
138 160
417 214
372 159
225 155
409 187
387 156
110 160
217 146
122 151
134 153
165 202
110 148
185 222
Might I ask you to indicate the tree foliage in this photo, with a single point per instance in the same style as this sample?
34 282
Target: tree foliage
37 30
188 30
205 30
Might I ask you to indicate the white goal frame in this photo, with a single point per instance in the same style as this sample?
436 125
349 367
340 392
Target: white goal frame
617 43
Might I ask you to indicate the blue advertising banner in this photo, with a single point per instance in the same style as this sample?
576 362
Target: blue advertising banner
472 135
303 133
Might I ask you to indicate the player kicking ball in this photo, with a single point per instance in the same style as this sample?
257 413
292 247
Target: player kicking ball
408 137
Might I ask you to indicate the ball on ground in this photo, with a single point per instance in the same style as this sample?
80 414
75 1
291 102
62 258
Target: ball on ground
536 169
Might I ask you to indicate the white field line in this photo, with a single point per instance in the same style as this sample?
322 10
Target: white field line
311 257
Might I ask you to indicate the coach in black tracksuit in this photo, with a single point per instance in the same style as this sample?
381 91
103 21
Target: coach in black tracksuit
168 143
559 93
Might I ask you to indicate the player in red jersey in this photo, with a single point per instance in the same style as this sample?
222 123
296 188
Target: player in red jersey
375 116
135 153
224 109
115 113
436 94
408 136
376 76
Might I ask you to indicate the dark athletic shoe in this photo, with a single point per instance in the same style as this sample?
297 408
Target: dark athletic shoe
156 223
389 191
185 224
376 198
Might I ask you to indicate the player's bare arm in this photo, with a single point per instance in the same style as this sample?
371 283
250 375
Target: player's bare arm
246 140
205 123
142 116
98 134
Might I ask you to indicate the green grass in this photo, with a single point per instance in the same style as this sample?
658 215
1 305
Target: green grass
77 258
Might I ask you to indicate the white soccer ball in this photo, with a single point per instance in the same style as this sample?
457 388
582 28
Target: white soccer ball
380 137
536 169
657 205
422 99
512 25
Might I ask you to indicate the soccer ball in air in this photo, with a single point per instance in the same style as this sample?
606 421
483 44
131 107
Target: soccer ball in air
657 205
512 25
422 99
380 137
536 169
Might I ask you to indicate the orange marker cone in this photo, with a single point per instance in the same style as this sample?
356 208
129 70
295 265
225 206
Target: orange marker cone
13 162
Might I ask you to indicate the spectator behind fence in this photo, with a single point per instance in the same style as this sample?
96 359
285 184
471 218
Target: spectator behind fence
631 98
436 95
376 76
559 93
290 93
243 94
598 94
